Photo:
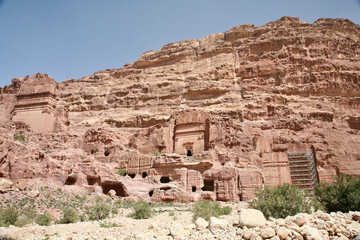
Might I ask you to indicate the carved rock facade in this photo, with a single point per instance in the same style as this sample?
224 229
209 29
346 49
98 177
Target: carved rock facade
210 118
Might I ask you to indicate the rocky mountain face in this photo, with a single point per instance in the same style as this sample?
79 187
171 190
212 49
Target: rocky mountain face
213 118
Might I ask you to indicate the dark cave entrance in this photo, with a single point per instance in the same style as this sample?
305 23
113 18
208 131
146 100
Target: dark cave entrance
71 180
164 179
151 193
92 180
189 153
132 175
208 185
118 187
106 153
193 189
144 175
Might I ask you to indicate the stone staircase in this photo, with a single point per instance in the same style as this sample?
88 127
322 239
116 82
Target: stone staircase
303 169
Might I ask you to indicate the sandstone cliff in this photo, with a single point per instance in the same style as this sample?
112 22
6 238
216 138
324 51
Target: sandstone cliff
211 118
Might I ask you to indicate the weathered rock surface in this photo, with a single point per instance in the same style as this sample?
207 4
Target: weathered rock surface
251 218
209 118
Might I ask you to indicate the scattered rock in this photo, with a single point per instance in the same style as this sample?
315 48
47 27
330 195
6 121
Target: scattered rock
267 232
33 193
310 233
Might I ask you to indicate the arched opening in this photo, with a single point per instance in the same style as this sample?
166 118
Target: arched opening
193 188
92 152
144 175
189 153
118 187
151 193
106 153
164 179
132 175
71 179
208 185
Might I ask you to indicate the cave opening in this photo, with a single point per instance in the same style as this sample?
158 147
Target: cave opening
132 175
151 193
165 188
208 185
92 151
117 187
164 179
106 153
71 180
144 175
193 188
189 153
92 180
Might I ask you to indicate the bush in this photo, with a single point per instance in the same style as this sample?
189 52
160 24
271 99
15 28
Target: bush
20 137
23 220
8 216
142 210
43 219
284 200
121 172
207 209
101 210
341 195
69 216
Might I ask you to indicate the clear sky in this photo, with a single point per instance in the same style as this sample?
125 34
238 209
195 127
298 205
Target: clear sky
75 38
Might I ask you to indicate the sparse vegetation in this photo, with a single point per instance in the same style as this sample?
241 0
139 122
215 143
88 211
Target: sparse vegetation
141 210
284 200
43 219
8 216
207 209
69 216
20 137
109 225
121 172
157 153
341 195
101 210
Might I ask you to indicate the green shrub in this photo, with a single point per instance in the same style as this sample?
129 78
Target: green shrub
30 212
207 209
43 219
69 216
284 200
101 210
8 216
121 172
141 210
341 195
109 225
20 137
23 220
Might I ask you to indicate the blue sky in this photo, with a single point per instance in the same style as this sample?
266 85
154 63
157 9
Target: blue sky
75 38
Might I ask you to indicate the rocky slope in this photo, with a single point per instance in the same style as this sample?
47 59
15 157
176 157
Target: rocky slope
206 118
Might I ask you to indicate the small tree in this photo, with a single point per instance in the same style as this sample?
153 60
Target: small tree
121 172
284 200
341 195
142 210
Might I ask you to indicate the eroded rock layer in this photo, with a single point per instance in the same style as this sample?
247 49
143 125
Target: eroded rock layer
213 118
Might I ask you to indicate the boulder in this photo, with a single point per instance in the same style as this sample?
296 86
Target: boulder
5 185
201 223
251 218
216 223
310 233
176 229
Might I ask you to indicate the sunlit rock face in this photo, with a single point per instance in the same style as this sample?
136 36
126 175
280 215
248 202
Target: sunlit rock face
210 118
